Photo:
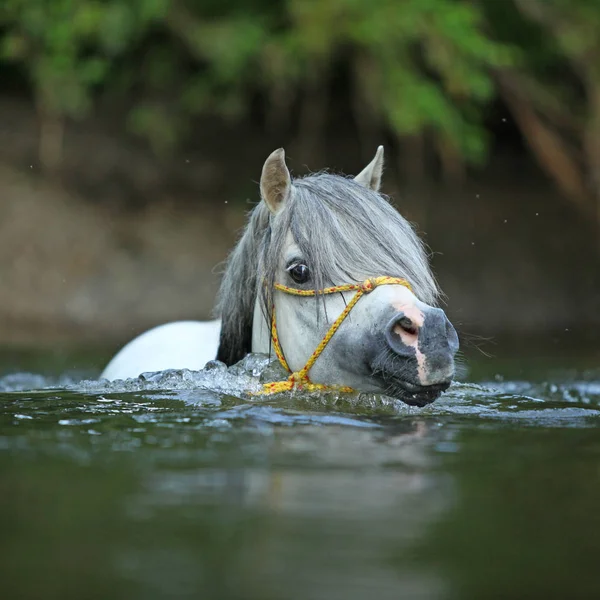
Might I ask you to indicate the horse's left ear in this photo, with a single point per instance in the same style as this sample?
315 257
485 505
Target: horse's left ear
275 181
370 176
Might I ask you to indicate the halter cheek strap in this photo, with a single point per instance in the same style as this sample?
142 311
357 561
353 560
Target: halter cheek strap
299 379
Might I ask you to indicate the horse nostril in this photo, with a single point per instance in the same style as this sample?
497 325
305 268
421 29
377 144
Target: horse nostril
406 325
401 335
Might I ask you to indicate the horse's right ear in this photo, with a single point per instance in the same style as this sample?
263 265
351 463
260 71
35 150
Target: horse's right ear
275 181
370 176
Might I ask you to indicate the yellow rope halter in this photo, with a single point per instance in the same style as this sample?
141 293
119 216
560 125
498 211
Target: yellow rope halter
299 379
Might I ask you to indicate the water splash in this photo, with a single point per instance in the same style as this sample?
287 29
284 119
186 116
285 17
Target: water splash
571 403
567 401
239 381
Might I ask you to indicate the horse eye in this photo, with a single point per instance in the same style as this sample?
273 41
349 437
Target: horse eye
299 273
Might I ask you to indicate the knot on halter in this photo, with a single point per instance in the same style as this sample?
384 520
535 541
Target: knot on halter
297 378
300 379
368 285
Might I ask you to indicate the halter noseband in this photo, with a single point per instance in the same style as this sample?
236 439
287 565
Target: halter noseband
299 379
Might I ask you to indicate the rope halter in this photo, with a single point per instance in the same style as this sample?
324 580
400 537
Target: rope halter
299 379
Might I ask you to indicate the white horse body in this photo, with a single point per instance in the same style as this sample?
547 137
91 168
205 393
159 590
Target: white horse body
178 345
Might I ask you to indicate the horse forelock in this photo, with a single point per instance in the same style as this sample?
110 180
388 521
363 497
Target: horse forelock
344 231
348 232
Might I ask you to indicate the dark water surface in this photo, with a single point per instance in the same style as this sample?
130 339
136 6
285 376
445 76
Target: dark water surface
181 486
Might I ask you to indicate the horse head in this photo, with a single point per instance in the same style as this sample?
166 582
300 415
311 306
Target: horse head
348 281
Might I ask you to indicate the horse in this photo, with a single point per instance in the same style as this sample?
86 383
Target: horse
333 279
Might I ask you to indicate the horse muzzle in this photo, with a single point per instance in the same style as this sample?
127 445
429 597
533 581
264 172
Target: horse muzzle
416 364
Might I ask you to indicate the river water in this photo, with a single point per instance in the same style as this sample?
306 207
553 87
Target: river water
180 485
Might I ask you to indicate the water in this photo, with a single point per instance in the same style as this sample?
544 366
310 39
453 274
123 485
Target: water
180 485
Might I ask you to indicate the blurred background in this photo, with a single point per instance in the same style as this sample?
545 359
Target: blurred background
133 132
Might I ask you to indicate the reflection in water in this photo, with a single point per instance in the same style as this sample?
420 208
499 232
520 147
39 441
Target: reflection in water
285 530
163 488
273 519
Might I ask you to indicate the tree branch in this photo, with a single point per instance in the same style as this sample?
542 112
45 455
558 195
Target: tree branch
551 152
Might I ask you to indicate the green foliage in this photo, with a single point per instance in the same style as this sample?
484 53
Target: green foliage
419 65
428 60
67 46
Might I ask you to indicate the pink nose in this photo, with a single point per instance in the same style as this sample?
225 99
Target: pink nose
433 338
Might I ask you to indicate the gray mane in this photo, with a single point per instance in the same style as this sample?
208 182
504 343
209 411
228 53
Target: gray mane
345 231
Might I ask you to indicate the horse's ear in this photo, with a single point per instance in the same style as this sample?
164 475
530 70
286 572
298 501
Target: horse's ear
275 181
370 176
